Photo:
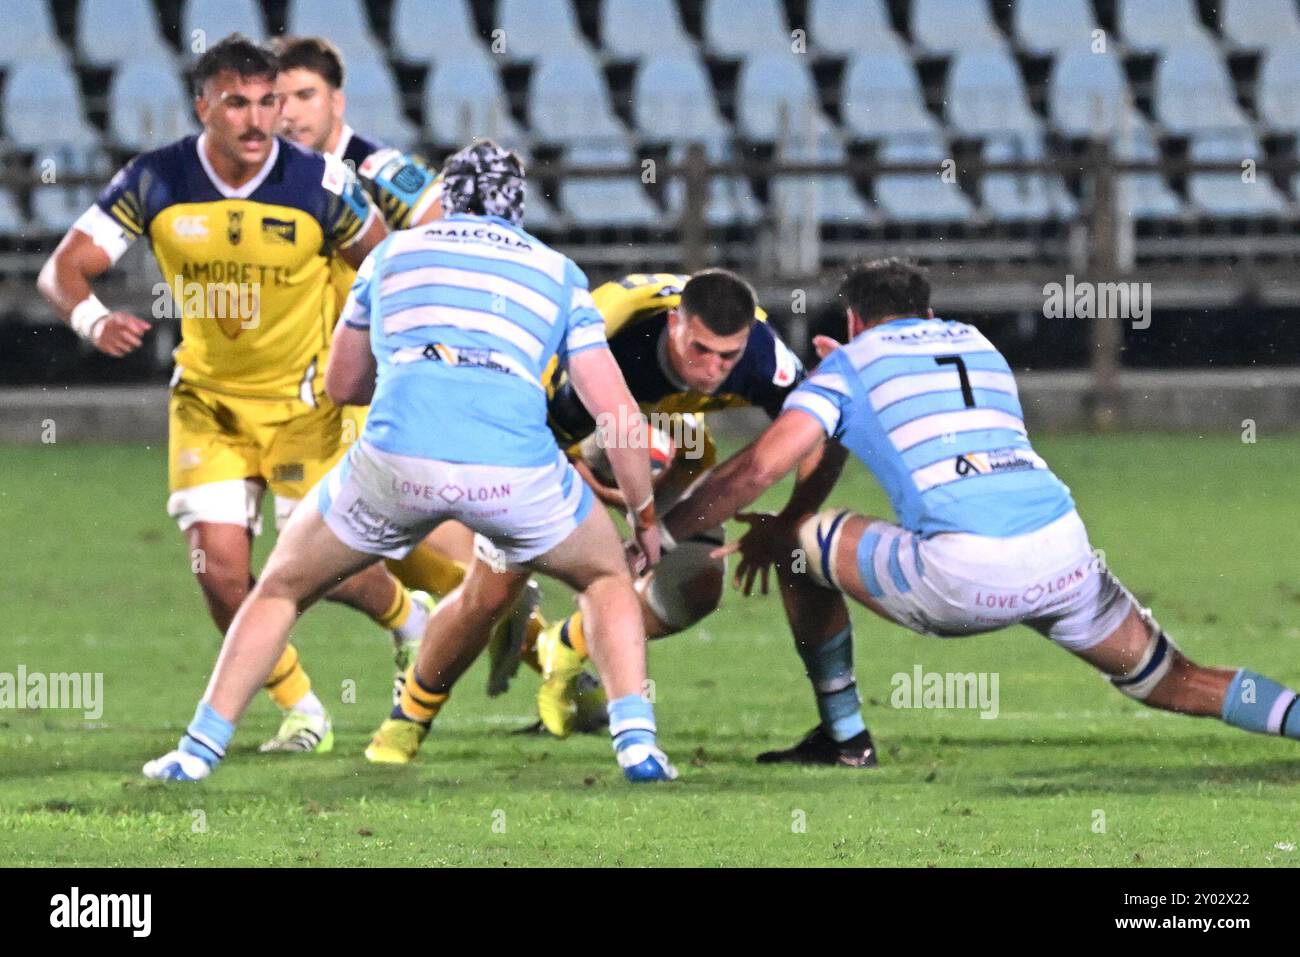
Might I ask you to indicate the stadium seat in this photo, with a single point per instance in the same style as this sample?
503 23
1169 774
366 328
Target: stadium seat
538 213
1022 196
1194 91
373 98
881 97
852 27
776 97
147 105
739 28
1261 23
110 31
672 95
343 21
1054 26
42 107
1088 94
55 207
1143 195
920 197
832 197
987 95
568 102
28 33
1279 89
643 28
1227 194
730 200
605 201
464 99
1160 24
11 218
219 18
435 30
540 28
946 26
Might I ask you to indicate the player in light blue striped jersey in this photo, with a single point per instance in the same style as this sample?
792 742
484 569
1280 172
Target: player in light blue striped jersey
446 334
985 535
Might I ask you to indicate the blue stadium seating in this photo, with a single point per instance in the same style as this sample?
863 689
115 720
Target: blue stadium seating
375 102
1279 89
987 95
28 33
946 26
110 31
672 96
1022 196
740 28
1144 195
464 99
776 96
882 97
219 18
343 21
541 28
438 30
1261 23
568 102
1194 91
607 201
852 27
1054 26
1160 24
147 105
42 106
920 197
1088 95
640 28
1229 194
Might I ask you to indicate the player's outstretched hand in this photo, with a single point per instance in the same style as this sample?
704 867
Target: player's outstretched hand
824 346
644 551
119 333
760 548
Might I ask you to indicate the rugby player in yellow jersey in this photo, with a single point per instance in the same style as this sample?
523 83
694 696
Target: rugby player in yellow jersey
244 226
405 191
687 345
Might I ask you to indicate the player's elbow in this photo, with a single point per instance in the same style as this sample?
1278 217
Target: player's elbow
348 386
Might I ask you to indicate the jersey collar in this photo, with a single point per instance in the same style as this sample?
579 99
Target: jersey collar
345 137
224 188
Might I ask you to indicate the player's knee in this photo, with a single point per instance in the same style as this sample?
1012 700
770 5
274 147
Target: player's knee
1155 672
818 537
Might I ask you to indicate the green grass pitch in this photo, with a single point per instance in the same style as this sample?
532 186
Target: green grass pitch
1069 773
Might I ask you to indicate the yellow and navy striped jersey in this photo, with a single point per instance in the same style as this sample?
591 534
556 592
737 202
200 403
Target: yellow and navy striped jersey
635 309
248 268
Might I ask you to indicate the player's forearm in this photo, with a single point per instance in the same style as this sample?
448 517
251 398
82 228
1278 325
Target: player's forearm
818 472
63 282
735 484
630 461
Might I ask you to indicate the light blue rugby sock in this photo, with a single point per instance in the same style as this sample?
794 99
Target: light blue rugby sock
207 735
830 669
631 721
1257 703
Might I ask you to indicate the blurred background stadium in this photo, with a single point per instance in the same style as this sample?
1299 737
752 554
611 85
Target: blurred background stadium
1007 144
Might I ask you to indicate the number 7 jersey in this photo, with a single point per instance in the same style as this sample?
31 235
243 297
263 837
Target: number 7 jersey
930 407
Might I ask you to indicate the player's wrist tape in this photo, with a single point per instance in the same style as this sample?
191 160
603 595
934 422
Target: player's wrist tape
666 541
86 316
643 516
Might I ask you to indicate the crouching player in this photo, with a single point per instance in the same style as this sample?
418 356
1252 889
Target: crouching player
687 345
458 319
986 535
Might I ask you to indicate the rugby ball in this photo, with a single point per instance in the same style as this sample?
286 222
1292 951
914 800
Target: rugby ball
662 451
